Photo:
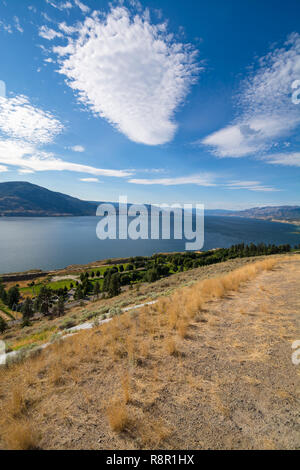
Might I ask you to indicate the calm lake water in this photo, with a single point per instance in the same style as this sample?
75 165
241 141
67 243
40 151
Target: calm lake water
56 242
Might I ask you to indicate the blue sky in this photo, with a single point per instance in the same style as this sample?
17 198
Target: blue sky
164 102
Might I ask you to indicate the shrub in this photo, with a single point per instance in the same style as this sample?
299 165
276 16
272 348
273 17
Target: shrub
117 415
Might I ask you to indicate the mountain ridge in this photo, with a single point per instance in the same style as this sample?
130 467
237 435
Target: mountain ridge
24 199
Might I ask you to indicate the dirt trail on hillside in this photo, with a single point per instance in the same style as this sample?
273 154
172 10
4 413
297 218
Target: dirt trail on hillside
230 385
243 389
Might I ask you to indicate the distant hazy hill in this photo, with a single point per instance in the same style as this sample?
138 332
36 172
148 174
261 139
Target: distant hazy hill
280 213
26 199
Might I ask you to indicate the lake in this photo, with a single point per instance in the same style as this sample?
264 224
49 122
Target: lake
56 242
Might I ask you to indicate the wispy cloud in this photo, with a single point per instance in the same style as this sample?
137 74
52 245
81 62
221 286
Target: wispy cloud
78 148
130 72
19 119
18 25
84 8
287 159
60 5
206 180
48 33
11 27
90 180
24 131
267 112
68 5
27 156
250 186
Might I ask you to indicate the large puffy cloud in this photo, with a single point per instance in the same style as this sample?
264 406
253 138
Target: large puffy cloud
267 112
130 72
20 119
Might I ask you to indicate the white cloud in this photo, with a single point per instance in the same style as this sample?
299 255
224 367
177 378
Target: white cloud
78 148
287 159
89 180
19 119
17 25
3 169
49 33
24 129
67 29
267 112
204 179
24 171
250 186
130 72
6 27
60 5
231 142
27 156
84 8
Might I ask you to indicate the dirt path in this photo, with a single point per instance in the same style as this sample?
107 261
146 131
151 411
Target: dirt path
241 389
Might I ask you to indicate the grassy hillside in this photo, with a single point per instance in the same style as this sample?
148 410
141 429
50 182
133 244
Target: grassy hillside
207 366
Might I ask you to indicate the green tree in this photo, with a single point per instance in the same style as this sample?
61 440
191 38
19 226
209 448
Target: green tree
27 309
44 300
3 325
79 295
106 282
152 275
13 297
61 306
96 289
87 286
3 293
114 285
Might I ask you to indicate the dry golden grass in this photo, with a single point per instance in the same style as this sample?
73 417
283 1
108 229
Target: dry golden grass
21 436
170 345
135 341
126 387
117 415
